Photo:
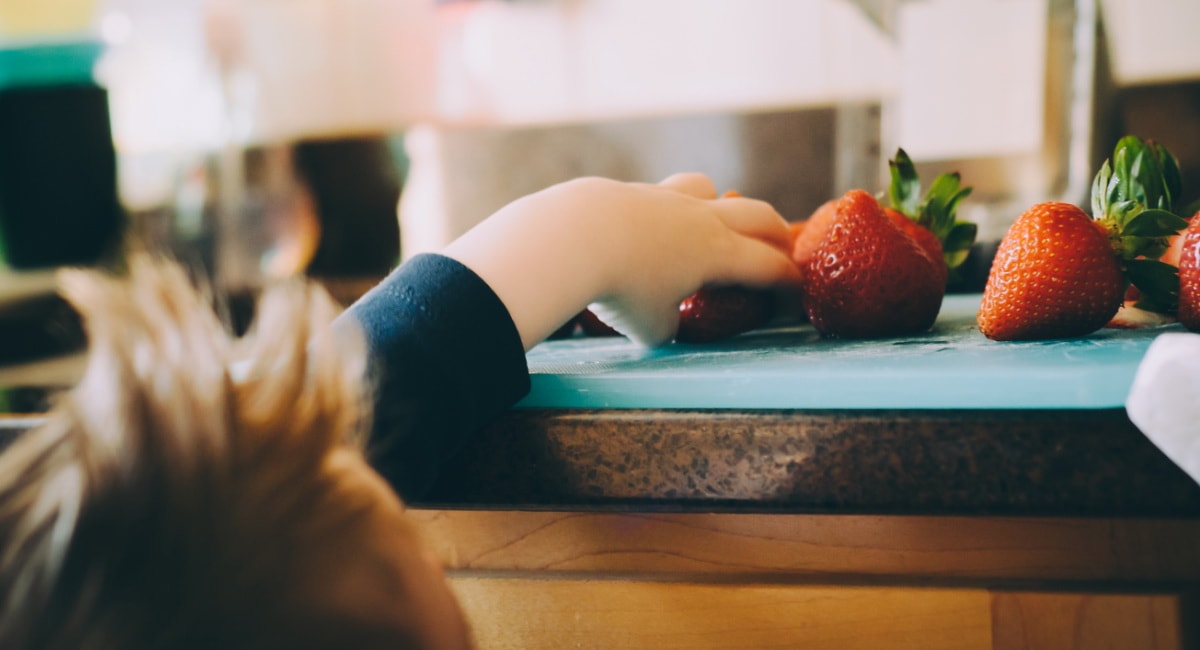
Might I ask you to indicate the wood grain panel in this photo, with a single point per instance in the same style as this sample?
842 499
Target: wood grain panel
513 614
813 547
531 614
1038 621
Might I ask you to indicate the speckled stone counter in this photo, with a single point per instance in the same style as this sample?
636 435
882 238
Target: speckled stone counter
1093 463
1020 463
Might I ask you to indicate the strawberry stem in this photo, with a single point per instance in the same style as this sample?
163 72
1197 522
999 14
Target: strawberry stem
936 210
1133 198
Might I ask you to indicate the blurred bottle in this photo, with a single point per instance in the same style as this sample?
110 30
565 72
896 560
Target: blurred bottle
316 77
238 149
196 183
266 226
1019 123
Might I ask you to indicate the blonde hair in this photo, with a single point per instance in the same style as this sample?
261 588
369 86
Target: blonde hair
175 497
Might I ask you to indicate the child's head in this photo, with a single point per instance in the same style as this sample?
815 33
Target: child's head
169 502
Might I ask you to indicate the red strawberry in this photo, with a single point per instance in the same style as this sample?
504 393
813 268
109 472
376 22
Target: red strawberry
593 326
921 234
1055 275
715 313
868 278
1189 275
1059 273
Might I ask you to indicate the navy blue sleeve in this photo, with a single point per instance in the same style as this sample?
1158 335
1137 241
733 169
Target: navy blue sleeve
445 359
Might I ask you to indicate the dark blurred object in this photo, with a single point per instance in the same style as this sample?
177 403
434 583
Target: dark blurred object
58 188
566 330
17 402
356 186
38 327
971 276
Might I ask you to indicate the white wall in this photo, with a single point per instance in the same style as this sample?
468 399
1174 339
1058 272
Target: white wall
1153 41
516 63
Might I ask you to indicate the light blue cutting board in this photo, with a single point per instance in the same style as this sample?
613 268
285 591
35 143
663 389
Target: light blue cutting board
951 367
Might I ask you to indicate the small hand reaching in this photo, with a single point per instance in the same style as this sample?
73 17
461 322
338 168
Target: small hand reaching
632 251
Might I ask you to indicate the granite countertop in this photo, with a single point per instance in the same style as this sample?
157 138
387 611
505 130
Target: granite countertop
1037 462
1012 463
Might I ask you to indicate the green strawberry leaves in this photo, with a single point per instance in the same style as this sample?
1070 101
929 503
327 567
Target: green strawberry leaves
1158 283
1134 198
1143 175
936 210
1147 233
904 194
1154 223
958 242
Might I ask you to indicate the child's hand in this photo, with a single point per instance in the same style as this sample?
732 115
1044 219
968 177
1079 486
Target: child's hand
632 250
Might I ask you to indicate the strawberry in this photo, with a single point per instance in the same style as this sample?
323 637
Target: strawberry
715 313
1189 275
921 235
1059 273
591 325
868 277
1054 276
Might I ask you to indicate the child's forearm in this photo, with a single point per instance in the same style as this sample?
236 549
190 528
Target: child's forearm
444 339
543 257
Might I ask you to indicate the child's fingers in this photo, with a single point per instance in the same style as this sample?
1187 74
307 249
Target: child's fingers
651 324
691 183
753 262
755 218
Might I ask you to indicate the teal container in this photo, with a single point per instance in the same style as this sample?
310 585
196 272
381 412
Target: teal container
49 65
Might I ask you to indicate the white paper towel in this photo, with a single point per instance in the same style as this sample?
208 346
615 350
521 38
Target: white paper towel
1164 400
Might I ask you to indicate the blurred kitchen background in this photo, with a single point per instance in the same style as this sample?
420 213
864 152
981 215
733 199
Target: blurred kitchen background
255 139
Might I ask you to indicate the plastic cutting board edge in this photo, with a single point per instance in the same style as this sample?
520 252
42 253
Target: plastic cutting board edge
952 366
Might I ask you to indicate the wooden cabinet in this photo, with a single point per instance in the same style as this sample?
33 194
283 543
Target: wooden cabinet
607 579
